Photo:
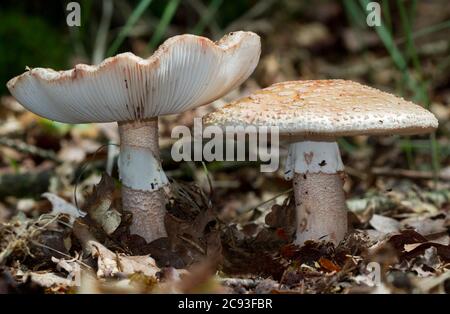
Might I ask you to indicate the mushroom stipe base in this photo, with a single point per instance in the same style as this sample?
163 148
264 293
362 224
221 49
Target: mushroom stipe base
148 209
142 178
321 209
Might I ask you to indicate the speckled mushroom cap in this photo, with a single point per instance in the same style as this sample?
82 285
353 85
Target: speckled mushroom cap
325 109
185 72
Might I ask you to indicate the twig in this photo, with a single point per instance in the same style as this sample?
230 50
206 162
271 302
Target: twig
83 169
267 201
30 183
195 245
51 219
62 253
82 233
29 149
245 282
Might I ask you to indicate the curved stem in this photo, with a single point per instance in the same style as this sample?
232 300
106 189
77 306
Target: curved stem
142 178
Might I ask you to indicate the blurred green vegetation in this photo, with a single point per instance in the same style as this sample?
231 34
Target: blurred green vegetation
29 41
33 33
405 59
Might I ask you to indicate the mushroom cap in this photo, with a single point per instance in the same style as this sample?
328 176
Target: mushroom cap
325 109
186 71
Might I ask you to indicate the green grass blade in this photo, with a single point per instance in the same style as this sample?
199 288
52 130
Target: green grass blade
431 29
421 92
206 18
354 13
419 89
134 17
406 25
346 146
166 18
387 14
411 54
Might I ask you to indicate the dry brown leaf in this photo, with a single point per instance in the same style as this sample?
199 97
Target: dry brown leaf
410 247
111 264
427 284
49 279
328 265
61 206
425 225
98 205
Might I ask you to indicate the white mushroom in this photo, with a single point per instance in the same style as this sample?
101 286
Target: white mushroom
185 72
311 115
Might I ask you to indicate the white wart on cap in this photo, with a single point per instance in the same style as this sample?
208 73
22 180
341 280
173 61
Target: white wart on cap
311 115
185 72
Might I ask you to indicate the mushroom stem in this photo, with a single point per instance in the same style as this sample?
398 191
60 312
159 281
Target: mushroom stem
317 171
321 209
142 178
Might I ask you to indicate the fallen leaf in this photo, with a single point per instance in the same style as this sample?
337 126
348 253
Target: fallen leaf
425 225
71 266
266 286
429 283
61 206
98 205
440 238
410 247
418 206
111 264
49 279
384 224
416 245
199 278
328 265
429 258
406 237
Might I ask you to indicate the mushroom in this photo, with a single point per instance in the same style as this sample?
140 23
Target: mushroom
185 72
310 115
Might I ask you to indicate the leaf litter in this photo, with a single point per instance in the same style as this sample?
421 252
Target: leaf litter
203 253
